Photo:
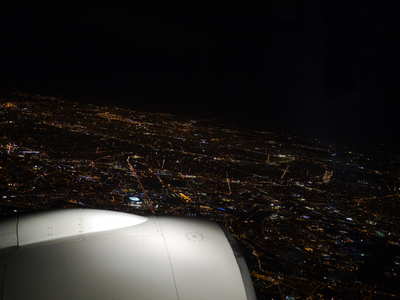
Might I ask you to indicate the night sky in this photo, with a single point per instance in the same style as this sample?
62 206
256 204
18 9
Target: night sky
323 70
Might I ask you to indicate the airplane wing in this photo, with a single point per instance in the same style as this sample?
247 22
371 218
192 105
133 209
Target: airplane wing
96 254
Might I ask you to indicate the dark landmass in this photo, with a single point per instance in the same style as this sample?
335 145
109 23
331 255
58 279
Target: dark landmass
313 219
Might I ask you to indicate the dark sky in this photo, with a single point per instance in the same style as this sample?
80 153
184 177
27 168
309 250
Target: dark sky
325 70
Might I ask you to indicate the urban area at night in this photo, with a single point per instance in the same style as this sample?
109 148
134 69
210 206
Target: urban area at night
314 220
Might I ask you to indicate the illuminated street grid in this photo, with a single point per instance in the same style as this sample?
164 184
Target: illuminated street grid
313 220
